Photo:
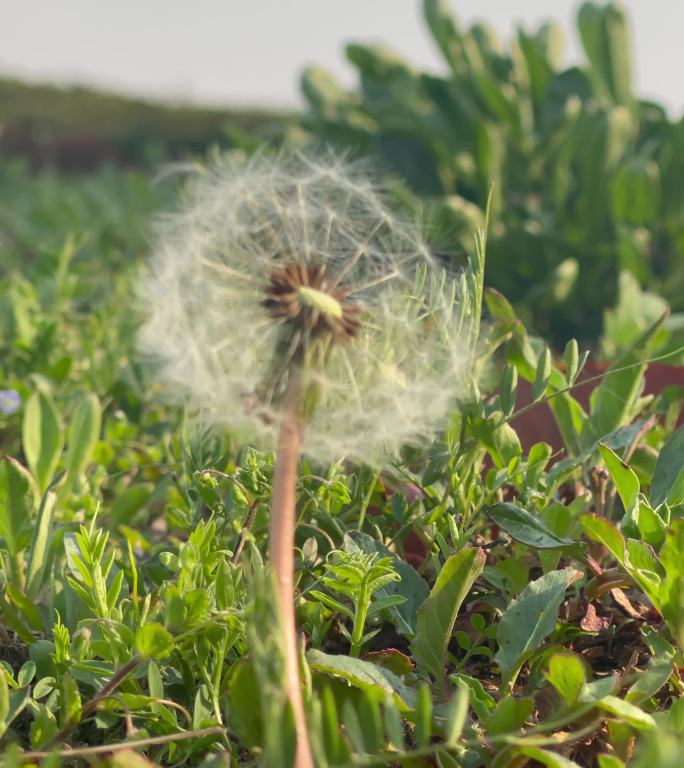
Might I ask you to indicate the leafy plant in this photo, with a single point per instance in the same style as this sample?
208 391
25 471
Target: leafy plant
358 577
585 174
507 602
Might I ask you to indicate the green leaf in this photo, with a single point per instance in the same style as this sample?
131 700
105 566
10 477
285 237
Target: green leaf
567 675
635 557
38 554
457 715
371 717
17 703
542 375
18 497
613 401
651 526
203 711
610 761
423 716
499 307
537 459
70 711
641 557
626 482
393 724
630 713
411 586
26 673
606 533
500 438
597 689
26 607
652 679
571 419
508 389
329 728
245 703
153 640
571 360
445 31
671 591
668 477
604 32
128 503
636 192
155 682
509 715
525 527
437 615
636 309
114 590
4 702
550 759
353 728
83 433
481 701
331 603
364 675
44 686
529 619
43 725
12 619
42 438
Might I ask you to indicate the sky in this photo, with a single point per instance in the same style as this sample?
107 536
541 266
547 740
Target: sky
251 52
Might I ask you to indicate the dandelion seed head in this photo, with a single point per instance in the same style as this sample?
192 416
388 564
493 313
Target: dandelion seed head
298 260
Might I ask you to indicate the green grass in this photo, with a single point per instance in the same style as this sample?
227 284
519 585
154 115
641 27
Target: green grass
472 605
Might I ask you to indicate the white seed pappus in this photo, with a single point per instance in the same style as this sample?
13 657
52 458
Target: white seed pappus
216 347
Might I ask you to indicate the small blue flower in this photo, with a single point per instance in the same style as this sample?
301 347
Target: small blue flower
9 401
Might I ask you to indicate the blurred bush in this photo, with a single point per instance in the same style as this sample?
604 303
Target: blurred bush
586 177
78 128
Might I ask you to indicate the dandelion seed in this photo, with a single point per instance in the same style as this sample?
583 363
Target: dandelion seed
296 260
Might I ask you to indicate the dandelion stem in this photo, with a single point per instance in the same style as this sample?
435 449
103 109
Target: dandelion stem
283 518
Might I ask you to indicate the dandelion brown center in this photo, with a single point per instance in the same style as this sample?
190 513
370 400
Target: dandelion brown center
300 295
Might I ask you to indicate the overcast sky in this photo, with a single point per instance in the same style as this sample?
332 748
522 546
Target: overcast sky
250 52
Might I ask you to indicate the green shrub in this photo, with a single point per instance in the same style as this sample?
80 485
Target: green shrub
586 176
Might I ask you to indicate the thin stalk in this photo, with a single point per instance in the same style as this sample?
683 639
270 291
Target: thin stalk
359 622
282 539
367 500
124 746
91 706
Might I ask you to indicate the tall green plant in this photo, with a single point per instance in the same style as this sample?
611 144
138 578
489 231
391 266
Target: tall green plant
584 172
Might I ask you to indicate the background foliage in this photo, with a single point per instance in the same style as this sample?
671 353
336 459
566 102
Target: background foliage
585 174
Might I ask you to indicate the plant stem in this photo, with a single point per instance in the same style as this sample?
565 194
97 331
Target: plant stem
282 539
123 746
359 622
89 707
367 500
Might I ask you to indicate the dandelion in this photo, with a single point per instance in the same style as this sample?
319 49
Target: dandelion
295 262
288 303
